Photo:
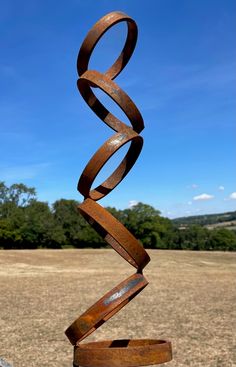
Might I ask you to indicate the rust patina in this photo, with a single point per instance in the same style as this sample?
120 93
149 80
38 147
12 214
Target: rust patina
112 353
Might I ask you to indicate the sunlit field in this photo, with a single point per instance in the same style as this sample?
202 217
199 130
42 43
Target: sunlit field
190 300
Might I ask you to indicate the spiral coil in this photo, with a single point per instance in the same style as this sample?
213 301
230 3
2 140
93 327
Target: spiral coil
139 352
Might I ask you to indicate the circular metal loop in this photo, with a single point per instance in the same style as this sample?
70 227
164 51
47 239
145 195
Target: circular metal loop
116 353
95 79
102 155
105 308
114 233
97 32
125 353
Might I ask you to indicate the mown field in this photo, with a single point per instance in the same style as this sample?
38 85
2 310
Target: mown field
190 300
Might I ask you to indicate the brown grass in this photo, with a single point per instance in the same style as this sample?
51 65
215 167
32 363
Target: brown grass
190 300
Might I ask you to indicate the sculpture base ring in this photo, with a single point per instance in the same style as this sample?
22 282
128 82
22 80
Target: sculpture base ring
122 353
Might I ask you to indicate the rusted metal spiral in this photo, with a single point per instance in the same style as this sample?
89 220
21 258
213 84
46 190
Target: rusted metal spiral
117 353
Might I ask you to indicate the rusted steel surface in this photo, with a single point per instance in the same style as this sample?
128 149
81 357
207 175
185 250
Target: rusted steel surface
102 155
112 353
114 233
105 308
117 353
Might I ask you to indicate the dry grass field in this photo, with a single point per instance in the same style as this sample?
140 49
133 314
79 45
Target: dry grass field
190 300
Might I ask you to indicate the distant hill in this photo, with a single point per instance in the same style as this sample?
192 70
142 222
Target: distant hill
227 219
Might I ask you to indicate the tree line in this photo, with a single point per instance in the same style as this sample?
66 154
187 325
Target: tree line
207 219
27 223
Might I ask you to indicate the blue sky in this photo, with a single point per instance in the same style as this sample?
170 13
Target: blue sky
181 76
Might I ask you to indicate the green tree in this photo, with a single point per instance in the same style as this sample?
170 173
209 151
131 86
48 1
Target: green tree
222 240
147 225
18 194
76 230
39 228
193 237
12 199
24 221
66 216
10 228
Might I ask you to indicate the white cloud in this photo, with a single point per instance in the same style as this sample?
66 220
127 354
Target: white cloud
189 202
132 203
203 197
231 197
221 188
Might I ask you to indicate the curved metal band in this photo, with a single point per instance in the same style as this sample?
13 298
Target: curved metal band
102 155
116 353
105 308
96 33
125 353
93 78
114 233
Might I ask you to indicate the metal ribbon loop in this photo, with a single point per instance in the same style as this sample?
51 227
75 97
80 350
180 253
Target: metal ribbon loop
117 353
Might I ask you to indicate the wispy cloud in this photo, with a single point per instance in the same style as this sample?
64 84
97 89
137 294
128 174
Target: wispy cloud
132 203
198 210
188 212
212 77
203 197
175 81
193 186
24 172
221 188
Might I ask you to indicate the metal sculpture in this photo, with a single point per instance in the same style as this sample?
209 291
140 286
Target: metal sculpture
112 353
